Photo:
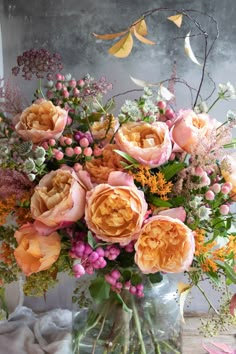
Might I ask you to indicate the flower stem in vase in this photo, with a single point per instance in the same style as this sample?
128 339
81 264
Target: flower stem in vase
138 326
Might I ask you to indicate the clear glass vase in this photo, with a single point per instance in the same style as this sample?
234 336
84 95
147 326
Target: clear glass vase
148 325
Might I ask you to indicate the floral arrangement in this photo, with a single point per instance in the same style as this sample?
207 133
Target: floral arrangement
143 193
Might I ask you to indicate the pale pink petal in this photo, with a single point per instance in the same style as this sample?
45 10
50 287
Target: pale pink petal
176 213
118 178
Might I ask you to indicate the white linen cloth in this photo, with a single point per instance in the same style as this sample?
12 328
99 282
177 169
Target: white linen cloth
28 333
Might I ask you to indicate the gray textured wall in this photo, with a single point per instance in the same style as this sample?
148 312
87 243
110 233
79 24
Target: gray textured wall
66 26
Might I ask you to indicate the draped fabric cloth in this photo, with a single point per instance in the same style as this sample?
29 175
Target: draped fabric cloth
28 333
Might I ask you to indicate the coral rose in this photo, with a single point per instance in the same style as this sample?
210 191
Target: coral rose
115 211
41 121
58 201
100 168
36 252
189 129
164 244
149 144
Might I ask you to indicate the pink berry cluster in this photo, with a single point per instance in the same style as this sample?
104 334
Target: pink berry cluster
37 62
114 278
72 148
167 114
90 259
66 90
222 191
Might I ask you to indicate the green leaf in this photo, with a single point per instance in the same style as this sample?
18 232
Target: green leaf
136 279
170 171
126 274
231 145
214 277
126 156
178 201
121 301
158 202
228 223
99 289
90 239
155 278
230 273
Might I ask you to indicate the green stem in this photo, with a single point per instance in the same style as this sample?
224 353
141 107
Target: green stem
98 336
138 327
40 89
216 100
205 296
171 348
99 104
3 302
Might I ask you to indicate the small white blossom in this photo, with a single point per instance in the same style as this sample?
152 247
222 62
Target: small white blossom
50 84
132 109
196 202
147 93
68 77
29 165
31 177
150 107
231 117
40 161
201 108
227 91
204 213
39 152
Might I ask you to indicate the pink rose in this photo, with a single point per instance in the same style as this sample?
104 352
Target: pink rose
149 144
189 129
41 121
164 244
58 201
115 210
35 252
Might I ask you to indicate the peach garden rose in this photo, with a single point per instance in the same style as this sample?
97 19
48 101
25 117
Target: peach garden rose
35 252
164 244
58 200
189 129
100 168
41 121
149 144
115 210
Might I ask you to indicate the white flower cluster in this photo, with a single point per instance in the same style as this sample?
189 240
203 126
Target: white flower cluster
227 91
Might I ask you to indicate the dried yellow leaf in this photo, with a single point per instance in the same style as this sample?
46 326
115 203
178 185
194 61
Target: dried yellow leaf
142 39
141 27
123 47
109 36
177 19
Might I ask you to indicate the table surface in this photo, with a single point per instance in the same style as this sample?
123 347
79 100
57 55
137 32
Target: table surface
192 341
